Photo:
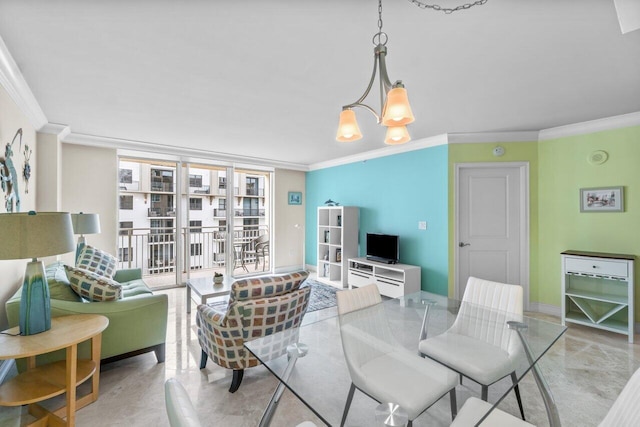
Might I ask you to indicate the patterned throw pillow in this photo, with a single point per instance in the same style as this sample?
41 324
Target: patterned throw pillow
97 261
92 286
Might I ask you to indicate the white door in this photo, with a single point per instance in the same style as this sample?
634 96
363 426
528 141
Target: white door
492 224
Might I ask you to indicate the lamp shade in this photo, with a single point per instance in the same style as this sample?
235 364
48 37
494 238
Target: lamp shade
348 129
397 111
397 135
34 235
85 223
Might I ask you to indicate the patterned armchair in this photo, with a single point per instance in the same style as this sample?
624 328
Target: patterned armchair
258 307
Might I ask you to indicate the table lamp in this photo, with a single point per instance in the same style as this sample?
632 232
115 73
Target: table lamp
33 235
84 224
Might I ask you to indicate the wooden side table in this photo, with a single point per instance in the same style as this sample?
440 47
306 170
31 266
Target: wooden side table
38 383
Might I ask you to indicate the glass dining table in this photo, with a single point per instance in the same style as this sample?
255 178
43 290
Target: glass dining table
310 360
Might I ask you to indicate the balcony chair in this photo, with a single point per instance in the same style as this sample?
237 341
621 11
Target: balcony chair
479 345
256 249
380 367
258 307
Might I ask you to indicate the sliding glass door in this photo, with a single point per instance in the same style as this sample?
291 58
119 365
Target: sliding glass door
181 220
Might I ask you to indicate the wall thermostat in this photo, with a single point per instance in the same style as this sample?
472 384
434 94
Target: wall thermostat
498 151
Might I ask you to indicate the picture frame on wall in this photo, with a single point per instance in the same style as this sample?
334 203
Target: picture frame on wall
602 199
295 197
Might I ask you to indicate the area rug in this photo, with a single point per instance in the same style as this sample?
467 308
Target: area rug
322 296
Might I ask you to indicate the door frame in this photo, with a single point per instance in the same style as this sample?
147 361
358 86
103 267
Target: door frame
523 168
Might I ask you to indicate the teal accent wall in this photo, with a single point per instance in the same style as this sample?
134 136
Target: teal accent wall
393 194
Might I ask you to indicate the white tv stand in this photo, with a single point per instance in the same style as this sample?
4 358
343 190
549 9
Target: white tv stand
393 280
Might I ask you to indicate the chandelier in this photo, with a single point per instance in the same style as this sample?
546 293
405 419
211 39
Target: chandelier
394 102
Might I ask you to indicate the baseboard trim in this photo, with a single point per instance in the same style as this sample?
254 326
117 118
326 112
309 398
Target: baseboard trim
552 310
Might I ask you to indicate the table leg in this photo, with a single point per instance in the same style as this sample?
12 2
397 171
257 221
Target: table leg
547 397
188 299
71 381
96 347
294 351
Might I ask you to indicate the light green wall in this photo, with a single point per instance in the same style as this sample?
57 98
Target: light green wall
558 168
483 152
563 170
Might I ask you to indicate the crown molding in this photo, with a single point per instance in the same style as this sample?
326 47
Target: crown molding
154 149
61 131
13 81
418 144
591 126
484 137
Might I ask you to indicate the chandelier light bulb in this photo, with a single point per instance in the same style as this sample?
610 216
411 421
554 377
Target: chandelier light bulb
348 129
397 110
397 135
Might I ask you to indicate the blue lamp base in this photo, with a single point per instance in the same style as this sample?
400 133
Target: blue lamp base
35 303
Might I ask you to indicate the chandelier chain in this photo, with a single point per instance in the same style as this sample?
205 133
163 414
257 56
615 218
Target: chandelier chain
379 16
446 9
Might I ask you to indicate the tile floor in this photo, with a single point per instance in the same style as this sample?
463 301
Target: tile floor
586 369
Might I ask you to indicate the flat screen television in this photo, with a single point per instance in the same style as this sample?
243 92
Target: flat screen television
383 248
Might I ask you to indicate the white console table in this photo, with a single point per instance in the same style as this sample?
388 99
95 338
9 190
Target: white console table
597 291
393 280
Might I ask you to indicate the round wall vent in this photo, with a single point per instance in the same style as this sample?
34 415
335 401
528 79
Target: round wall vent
598 157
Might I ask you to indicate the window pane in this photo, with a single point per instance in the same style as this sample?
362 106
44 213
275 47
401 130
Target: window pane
126 202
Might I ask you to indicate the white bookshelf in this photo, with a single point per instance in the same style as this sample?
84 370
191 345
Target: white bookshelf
337 242
597 291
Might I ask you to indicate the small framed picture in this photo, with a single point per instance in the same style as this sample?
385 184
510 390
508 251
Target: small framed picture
338 255
295 198
602 199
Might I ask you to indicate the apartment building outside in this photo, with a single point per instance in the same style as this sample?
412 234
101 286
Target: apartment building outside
174 226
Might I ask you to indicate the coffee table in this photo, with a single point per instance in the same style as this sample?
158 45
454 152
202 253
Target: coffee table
204 288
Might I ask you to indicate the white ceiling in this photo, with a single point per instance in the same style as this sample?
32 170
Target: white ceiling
267 79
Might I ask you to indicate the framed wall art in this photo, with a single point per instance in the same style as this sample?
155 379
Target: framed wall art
602 199
295 198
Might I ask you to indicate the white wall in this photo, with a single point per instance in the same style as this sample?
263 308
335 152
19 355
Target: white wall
90 185
12 119
288 246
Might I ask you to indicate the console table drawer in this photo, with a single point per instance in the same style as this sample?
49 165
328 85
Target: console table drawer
597 267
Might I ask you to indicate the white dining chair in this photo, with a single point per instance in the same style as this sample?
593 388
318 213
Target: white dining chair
180 410
625 411
479 345
380 367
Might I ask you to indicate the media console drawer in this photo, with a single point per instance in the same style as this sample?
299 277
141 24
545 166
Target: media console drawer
393 280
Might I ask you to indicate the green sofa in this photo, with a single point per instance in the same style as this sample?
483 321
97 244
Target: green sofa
137 322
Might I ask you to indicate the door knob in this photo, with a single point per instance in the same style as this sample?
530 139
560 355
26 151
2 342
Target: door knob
462 245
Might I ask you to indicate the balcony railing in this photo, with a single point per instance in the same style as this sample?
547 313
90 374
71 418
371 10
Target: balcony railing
205 189
162 186
255 191
161 212
155 250
130 186
249 212
219 213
